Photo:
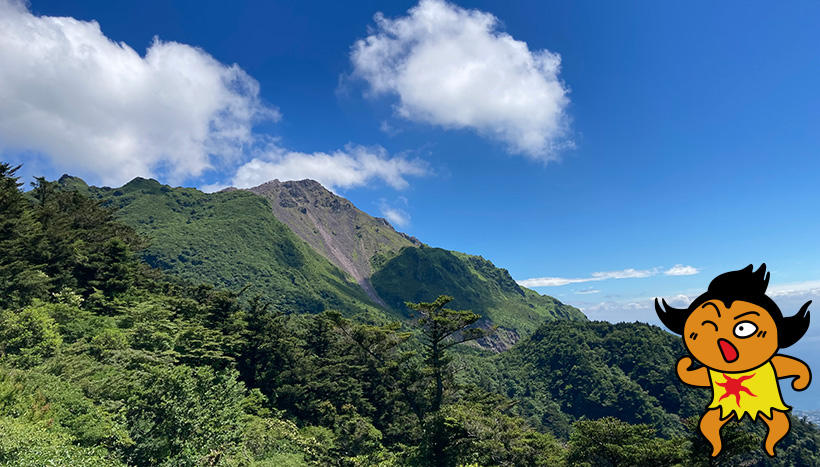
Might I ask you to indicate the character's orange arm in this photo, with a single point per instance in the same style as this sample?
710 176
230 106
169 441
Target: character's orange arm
698 377
785 366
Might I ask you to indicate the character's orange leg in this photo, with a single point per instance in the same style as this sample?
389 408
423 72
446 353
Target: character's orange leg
778 427
710 425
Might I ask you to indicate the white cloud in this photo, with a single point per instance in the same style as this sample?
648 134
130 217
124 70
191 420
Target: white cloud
795 289
353 166
551 281
630 309
212 187
624 274
630 273
789 297
396 216
681 270
587 291
595 276
99 108
453 67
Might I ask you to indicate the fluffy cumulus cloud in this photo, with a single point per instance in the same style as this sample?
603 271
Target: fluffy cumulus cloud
453 67
350 167
98 107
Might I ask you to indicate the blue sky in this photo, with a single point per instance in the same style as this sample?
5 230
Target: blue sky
610 143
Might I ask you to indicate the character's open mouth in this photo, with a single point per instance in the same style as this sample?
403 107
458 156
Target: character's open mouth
728 350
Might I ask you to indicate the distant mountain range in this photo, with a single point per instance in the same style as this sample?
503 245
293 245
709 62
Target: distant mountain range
304 249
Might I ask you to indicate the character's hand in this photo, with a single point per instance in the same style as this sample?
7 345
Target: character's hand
683 365
696 377
802 381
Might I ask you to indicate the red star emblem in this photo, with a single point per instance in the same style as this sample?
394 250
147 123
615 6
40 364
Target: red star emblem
734 386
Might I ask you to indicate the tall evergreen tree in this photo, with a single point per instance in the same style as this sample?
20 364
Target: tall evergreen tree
21 273
441 328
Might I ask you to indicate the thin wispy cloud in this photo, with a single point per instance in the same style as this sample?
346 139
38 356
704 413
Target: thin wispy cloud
587 291
681 270
630 309
456 68
630 273
789 297
395 215
796 289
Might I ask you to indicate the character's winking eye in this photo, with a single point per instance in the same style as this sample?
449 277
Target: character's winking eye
704 323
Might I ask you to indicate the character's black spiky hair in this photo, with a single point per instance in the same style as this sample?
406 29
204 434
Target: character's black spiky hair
747 285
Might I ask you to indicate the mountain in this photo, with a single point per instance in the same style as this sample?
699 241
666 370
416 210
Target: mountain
421 274
305 249
335 228
231 240
394 268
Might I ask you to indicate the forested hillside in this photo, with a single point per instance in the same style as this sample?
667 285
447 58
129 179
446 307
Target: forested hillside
297 245
105 360
231 240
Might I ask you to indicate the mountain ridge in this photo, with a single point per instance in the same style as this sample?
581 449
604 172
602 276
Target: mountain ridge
344 258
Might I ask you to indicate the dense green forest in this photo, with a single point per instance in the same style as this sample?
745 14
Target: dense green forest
107 360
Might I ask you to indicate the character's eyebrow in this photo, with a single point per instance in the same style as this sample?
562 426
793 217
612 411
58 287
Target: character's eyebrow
747 313
710 303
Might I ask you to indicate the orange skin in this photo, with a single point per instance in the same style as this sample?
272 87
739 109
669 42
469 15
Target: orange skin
752 332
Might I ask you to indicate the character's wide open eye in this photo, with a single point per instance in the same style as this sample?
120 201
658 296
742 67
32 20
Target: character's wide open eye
745 329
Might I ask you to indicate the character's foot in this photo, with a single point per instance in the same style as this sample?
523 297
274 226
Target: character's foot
710 425
778 427
716 450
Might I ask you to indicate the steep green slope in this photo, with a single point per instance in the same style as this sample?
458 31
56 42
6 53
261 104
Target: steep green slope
598 369
230 239
421 274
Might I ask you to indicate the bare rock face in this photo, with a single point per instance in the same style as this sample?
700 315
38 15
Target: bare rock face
335 228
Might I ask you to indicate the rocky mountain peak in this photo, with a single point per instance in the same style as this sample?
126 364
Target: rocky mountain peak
334 227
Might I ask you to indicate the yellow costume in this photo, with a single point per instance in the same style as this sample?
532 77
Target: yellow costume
750 392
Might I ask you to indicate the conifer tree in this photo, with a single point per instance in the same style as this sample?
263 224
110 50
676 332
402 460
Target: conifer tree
441 329
21 274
